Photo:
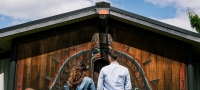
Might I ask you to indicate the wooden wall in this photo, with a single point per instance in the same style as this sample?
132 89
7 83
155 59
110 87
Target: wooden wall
4 70
35 58
166 59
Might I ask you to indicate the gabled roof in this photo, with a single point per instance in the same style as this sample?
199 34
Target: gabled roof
7 34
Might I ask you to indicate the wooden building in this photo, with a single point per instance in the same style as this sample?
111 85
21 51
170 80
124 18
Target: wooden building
40 54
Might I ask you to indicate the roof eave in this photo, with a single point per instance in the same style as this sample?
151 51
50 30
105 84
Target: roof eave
155 24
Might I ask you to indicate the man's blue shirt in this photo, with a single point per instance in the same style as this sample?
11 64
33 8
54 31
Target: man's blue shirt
114 77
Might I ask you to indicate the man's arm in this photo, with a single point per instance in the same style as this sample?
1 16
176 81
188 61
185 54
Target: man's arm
100 81
128 85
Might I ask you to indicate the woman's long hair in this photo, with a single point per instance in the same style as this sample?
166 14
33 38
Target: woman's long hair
77 74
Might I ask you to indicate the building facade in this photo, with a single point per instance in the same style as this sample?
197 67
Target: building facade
41 53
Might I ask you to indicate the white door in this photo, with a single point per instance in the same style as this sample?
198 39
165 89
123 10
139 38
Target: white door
1 81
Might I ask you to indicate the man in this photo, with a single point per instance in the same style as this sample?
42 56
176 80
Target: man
114 76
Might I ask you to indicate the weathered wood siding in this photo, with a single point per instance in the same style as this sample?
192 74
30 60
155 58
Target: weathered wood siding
4 70
35 58
166 59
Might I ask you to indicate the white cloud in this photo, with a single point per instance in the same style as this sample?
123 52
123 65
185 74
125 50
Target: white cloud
36 9
181 18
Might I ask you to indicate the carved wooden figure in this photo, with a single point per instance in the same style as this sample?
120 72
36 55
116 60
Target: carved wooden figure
97 57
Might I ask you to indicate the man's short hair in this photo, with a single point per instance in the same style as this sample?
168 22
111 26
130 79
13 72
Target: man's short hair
112 54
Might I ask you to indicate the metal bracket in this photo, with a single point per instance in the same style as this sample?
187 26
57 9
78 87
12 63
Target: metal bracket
55 59
48 78
155 80
145 63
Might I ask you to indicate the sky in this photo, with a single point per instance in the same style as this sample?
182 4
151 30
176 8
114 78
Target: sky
173 12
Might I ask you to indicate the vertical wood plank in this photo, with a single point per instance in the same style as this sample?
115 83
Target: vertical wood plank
117 37
27 65
175 68
122 37
160 65
89 32
88 37
57 52
137 44
131 39
20 67
183 59
65 41
80 36
65 46
73 40
43 64
57 48
168 68
35 65
54 48
146 55
152 66
115 43
50 65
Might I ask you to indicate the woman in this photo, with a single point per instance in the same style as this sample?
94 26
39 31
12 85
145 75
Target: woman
78 80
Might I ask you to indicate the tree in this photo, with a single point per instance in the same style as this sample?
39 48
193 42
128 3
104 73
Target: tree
194 20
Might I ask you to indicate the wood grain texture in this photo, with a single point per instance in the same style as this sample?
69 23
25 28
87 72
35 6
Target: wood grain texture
153 64
146 55
137 44
132 51
73 40
50 65
80 36
183 60
167 68
65 44
27 65
43 64
34 66
165 58
57 45
160 65
175 69
20 67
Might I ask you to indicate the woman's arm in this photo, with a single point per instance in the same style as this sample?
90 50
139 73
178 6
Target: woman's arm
92 86
67 86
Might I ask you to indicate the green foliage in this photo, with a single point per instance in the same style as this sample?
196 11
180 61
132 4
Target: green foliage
194 20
